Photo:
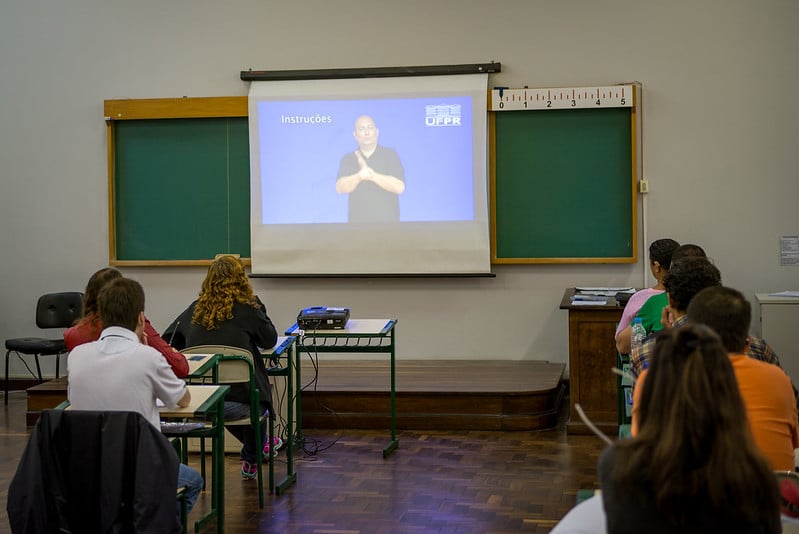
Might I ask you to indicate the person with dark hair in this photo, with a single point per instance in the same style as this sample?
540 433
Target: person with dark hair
684 279
766 390
372 175
228 313
89 326
693 466
688 249
660 252
651 312
118 372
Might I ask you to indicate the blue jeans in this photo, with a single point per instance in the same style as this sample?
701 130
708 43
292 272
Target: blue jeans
193 482
244 433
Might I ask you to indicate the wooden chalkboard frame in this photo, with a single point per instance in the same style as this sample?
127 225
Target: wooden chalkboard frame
531 257
237 106
159 108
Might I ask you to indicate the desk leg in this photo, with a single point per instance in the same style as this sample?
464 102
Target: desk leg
298 369
219 467
291 477
394 443
217 472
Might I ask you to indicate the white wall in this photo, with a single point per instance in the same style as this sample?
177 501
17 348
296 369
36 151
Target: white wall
720 139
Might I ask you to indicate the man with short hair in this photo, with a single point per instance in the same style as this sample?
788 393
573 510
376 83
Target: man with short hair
119 373
766 390
372 175
684 279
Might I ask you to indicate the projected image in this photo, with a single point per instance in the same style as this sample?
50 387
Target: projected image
369 176
366 160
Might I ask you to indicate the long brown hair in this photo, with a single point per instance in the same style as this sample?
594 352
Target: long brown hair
225 284
90 314
97 282
694 445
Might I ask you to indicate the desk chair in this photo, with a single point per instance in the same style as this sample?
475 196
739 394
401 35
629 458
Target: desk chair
235 366
54 310
83 471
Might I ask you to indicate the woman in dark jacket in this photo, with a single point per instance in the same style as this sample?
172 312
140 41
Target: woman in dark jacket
228 313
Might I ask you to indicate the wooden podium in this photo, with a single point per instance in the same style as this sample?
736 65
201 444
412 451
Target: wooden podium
592 355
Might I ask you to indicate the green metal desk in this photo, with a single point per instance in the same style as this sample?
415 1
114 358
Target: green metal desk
358 336
284 348
208 404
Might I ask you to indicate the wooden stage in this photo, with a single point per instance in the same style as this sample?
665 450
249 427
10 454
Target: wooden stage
431 395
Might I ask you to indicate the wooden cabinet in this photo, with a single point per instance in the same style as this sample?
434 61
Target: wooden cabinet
592 355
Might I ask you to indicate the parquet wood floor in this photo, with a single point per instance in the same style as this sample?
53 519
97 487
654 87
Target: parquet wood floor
435 482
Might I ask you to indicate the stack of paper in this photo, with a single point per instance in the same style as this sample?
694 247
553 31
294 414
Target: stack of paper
604 291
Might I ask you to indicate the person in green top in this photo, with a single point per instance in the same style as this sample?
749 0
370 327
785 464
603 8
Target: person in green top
652 310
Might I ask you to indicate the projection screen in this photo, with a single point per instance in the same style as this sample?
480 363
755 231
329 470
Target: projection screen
369 176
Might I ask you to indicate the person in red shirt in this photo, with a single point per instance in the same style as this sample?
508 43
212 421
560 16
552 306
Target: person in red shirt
89 326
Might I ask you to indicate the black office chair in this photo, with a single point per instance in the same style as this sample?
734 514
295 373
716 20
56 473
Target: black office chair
54 310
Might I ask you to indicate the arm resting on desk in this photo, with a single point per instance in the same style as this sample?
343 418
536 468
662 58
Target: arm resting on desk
186 399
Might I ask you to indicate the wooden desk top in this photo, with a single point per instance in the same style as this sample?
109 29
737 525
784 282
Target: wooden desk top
199 364
202 399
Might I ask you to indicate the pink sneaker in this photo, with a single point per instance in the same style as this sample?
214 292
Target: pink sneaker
248 470
272 445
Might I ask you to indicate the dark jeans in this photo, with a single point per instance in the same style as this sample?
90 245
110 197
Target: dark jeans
244 433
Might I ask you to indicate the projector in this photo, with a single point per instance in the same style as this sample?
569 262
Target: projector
323 318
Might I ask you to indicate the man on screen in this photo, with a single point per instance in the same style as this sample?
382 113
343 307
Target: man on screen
372 175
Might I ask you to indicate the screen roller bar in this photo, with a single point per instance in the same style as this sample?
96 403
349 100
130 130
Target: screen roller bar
369 72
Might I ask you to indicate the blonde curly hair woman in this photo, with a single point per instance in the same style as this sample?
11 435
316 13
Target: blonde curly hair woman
227 312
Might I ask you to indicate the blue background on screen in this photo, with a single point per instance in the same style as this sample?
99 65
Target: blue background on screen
299 162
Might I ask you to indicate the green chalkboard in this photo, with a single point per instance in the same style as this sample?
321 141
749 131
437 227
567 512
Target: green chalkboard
181 189
562 186
561 183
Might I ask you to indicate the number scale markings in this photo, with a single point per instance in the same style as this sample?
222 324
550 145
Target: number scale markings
610 96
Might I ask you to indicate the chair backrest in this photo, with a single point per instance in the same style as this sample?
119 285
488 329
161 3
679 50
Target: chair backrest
235 367
94 471
59 310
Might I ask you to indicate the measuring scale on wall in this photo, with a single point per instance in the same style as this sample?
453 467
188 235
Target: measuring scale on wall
609 96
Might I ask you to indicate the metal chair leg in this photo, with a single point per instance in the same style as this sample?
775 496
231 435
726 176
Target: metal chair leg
8 354
38 367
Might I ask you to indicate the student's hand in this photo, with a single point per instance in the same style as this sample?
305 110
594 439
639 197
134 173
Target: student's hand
667 317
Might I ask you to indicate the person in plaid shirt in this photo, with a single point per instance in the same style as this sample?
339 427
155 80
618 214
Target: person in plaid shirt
686 277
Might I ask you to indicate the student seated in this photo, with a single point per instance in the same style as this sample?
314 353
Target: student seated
89 326
766 390
120 372
660 252
228 313
651 312
693 466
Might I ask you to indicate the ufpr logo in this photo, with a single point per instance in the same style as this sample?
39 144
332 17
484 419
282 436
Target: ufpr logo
443 115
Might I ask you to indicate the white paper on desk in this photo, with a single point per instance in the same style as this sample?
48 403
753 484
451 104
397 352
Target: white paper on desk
589 302
159 403
785 294
604 291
